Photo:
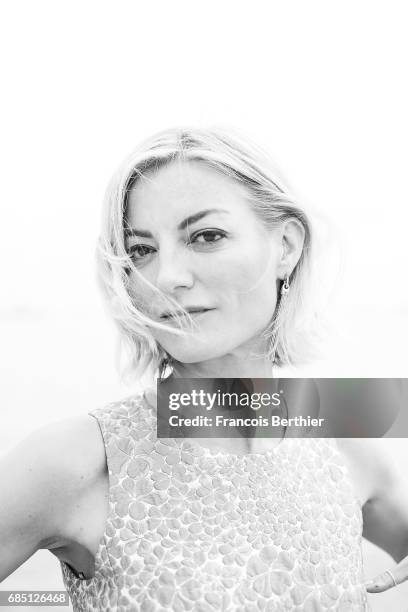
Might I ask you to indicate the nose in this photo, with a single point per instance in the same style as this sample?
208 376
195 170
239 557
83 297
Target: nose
174 270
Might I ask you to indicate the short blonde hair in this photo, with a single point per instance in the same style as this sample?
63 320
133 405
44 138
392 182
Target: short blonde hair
270 199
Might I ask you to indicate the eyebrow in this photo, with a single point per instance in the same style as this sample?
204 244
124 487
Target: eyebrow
182 225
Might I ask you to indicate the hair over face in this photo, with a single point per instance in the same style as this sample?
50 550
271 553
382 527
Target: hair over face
290 333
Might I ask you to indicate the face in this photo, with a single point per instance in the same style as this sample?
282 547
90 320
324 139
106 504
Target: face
195 237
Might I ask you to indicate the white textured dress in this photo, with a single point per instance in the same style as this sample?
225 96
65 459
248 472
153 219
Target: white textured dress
190 529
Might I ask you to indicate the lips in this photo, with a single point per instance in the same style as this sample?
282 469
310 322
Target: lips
195 310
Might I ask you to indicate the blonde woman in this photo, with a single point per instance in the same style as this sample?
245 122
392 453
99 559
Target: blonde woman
204 261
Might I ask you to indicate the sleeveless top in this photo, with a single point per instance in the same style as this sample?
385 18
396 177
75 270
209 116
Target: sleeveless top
193 529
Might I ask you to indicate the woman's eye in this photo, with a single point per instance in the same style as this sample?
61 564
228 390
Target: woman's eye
208 236
139 251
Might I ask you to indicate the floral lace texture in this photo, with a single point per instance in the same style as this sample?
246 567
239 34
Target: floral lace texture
190 530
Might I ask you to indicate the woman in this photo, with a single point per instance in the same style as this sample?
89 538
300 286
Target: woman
204 259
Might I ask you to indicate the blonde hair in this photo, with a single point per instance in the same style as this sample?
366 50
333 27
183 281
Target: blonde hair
269 198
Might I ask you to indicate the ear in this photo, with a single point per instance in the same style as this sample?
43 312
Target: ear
292 238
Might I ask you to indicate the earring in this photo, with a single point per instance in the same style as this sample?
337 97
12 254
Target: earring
285 286
283 295
277 318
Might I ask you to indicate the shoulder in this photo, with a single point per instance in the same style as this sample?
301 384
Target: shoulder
63 459
371 462
44 476
69 447
60 460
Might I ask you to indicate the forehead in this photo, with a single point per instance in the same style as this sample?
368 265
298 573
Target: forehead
181 188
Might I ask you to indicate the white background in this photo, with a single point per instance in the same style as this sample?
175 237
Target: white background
321 85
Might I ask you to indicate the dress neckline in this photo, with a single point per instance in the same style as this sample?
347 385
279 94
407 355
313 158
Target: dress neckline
213 452
190 443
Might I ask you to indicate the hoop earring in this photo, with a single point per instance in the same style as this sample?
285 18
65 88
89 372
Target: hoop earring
285 286
284 290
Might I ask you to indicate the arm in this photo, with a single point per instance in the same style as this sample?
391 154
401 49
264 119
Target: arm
384 489
385 513
40 480
386 520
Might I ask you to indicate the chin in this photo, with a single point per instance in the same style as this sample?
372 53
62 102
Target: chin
191 353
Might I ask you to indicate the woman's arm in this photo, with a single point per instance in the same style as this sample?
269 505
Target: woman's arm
40 481
386 516
386 512
384 489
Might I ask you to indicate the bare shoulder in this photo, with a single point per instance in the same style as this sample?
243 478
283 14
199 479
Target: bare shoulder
55 463
69 448
371 462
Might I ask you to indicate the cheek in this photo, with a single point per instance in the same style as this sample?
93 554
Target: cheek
246 278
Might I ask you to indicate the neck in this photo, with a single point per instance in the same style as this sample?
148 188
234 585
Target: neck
225 367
